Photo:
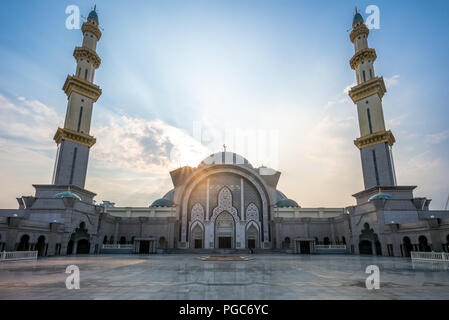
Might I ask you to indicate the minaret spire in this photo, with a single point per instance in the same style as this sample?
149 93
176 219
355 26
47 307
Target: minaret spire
74 140
375 141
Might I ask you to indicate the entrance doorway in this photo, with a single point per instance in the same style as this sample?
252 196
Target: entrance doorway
198 243
304 247
197 237
83 246
40 246
365 247
252 237
224 231
224 242
144 246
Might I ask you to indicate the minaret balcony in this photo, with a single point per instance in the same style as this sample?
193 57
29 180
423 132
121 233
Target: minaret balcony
87 54
74 136
83 87
367 89
375 138
89 27
357 31
362 55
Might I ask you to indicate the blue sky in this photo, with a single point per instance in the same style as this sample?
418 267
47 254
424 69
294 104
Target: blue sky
257 65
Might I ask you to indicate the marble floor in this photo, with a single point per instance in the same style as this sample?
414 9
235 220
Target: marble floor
183 276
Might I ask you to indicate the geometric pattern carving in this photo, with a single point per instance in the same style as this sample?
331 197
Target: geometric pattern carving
367 89
74 136
375 138
88 27
224 204
252 212
357 31
87 54
81 86
362 55
197 213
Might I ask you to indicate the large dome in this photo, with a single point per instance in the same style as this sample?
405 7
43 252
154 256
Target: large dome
225 158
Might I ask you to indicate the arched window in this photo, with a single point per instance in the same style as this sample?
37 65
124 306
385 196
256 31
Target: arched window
85 74
122 240
79 119
423 245
326 241
105 239
343 240
370 73
79 72
364 75
24 243
368 113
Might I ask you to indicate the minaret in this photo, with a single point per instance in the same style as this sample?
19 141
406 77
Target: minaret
74 140
375 141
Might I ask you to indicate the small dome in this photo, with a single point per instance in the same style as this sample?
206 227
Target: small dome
357 17
67 194
381 196
287 203
162 203
93 15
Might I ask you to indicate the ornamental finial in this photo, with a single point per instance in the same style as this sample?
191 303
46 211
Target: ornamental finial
224 147
95 7
356 10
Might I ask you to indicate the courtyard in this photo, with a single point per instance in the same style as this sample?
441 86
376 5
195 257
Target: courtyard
189 276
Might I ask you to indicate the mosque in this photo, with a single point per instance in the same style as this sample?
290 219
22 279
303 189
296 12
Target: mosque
224 202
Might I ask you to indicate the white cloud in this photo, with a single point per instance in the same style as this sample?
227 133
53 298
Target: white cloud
391 81
437 138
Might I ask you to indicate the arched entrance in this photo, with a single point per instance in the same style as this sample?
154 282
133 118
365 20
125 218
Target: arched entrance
252 237
423 245
365 247
40 246
79 241
83 246
224 231
24 243
407 245
369 238
122 240
286 243
197 237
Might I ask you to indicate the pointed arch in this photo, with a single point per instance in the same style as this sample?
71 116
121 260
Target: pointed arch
197 235
252 212
197 213
225 204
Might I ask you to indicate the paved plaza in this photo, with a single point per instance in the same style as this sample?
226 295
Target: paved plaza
185 276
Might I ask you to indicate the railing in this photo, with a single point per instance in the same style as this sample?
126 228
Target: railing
430 256
118 246
330 246
18 255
